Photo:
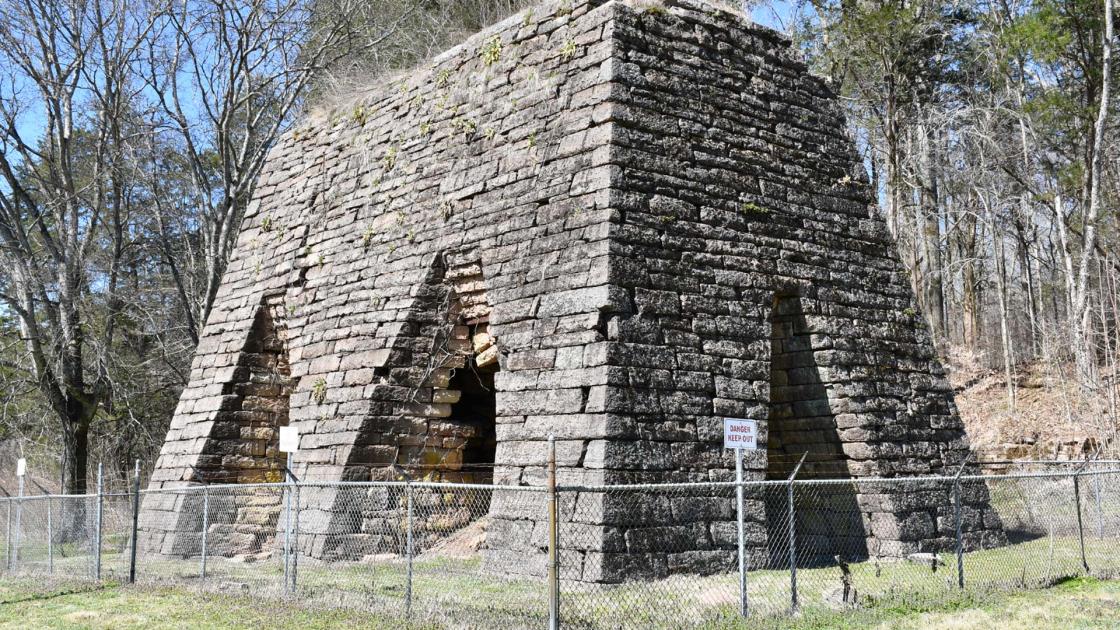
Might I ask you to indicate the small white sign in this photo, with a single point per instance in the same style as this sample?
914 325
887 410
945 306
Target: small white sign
289 439
21 467
740 433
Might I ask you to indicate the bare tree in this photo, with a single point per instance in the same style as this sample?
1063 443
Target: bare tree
68 93
1082 309
228 79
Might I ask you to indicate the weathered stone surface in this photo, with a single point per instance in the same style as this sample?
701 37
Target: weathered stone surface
644 221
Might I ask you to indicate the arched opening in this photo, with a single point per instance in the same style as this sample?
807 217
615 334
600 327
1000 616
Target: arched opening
801 423
458 404
264 390
474 415
244 445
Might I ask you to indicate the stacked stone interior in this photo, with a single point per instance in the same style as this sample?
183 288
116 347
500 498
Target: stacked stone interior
245 445
802 431
246 523
602 199
459 439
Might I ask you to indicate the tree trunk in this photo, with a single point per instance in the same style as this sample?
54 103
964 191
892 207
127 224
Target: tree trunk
1082 305
931 243
75 444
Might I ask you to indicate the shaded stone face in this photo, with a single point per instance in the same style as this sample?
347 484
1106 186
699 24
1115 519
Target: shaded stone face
613 224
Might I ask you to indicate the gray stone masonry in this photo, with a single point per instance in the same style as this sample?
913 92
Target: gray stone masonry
632 221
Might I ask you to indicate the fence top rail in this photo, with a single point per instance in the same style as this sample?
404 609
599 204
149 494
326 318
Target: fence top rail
33 497
930 479
1048 462
341 484
826 482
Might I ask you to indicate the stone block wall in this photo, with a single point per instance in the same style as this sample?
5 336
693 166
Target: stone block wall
637 220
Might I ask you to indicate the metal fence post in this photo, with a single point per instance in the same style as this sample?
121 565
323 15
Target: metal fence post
553 536
50 537
957 523
408 548
1100 512
288 525
743 604
100 514
1080 525
8 537
205 527
135 525
19 527
794 605
295 539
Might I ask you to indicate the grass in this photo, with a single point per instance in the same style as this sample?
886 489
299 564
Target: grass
24 604
1075 604
462 593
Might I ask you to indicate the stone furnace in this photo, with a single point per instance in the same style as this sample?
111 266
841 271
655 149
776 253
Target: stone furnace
616 223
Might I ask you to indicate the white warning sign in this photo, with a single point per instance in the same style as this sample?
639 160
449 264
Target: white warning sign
740 433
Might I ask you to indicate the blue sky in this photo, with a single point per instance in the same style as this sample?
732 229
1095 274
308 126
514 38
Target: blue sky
774 13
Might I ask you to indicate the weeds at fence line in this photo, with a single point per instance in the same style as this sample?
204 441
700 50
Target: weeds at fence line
419 550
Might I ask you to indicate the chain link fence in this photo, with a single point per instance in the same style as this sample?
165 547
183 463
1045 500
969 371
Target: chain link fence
626 556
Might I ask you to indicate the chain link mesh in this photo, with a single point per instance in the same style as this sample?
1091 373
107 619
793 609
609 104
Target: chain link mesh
640 556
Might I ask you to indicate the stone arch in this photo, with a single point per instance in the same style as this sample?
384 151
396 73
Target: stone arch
244 443
801 421
461 419
438 423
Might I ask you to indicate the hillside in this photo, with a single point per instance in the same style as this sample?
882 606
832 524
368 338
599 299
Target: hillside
1053 417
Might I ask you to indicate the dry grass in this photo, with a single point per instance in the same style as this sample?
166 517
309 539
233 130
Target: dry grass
1053 416
1076 604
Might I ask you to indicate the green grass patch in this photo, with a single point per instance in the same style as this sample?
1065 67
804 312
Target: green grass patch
1078 603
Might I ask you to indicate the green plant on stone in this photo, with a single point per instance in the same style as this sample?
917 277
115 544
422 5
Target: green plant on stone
532 140
491 51
490 133
367 236
568 50
359 115
389 160
749 207
319 390
426 128
667 219
446 209
401 216
465 126
266 223
443 77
